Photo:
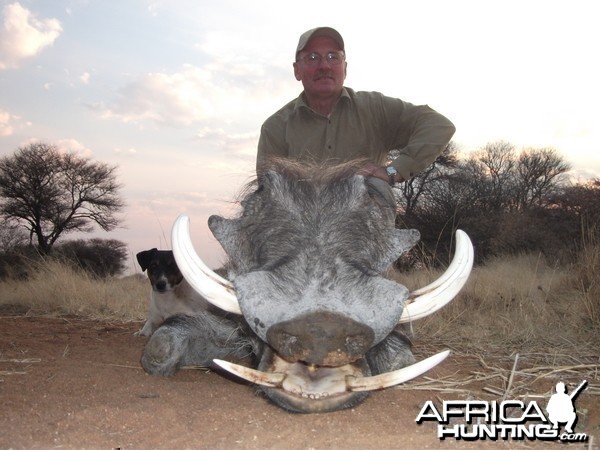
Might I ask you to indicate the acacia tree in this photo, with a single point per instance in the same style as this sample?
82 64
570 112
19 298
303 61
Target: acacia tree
539 175
419 186
51 193
497 161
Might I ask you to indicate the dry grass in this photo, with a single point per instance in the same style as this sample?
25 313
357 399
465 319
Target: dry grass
56 289
517 301
517 321
508 299
586 277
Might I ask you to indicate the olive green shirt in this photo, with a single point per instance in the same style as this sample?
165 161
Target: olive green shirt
361 125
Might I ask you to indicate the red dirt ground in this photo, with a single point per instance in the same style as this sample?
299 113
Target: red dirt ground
73 383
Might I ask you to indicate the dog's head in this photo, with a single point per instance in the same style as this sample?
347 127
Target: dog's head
161 268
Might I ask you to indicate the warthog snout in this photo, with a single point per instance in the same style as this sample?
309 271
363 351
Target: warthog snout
321 338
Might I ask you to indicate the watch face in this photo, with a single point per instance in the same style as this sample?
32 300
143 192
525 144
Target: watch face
391 170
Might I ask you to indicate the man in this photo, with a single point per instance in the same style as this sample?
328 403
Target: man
330 123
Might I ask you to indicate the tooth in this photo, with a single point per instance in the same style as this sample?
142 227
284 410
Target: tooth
211 286
434 296
356 384
254 376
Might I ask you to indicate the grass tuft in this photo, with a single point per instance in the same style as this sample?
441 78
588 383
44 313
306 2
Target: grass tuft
516 301
53 288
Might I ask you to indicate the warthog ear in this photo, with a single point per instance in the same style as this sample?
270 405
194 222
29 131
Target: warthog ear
404 240
401 241
225 230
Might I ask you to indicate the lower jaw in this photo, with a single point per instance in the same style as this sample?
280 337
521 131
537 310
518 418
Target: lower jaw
293 403
312 390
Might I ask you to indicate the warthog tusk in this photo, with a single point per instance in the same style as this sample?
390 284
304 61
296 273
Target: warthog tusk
210 285
268 379
221 292
434 296
352 383
389 379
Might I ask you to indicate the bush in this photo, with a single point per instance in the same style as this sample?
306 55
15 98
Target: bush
100 258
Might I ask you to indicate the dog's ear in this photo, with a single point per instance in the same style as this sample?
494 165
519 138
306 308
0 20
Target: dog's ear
145 257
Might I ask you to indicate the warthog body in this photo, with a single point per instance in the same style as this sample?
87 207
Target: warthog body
307 253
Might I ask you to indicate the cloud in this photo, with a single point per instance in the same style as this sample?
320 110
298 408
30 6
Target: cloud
23 36
153 8
194 95
9 123
237 144
73 146
127 152
177 99
6 127
66 146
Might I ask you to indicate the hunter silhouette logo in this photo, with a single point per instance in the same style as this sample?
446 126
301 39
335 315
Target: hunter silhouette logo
560 407
508 419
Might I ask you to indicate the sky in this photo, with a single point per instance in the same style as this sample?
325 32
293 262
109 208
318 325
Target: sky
174 92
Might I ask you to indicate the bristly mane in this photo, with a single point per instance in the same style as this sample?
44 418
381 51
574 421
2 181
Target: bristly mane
298 172
319 173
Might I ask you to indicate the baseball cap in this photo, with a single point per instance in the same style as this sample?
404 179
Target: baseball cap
320 31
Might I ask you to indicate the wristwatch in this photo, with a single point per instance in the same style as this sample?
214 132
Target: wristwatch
392 172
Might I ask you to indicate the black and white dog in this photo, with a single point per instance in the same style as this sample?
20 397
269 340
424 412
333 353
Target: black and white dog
171 294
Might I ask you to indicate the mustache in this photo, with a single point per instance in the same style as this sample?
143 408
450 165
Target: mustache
324 73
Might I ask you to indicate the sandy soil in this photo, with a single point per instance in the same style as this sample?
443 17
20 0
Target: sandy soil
72 383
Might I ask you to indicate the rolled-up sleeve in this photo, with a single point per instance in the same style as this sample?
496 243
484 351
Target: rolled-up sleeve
422 134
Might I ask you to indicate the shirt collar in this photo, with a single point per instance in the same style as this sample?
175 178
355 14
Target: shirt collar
301 102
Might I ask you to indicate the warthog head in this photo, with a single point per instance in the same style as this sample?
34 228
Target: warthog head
308 253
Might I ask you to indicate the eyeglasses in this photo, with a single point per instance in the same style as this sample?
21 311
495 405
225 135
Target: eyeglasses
314 59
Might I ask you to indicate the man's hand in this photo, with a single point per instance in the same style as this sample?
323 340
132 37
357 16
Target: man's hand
372 170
